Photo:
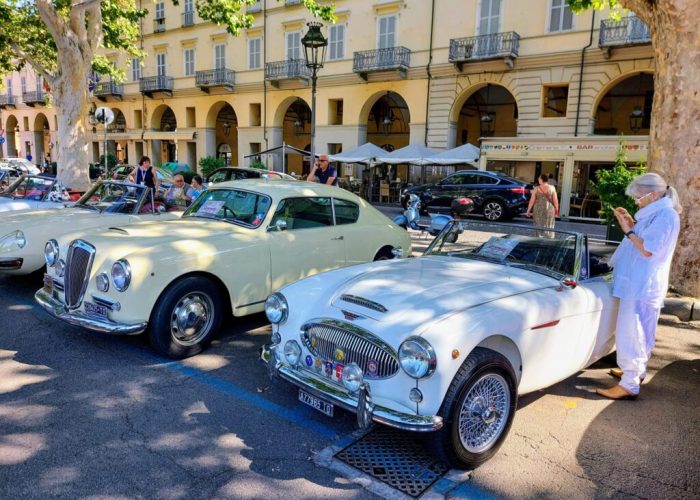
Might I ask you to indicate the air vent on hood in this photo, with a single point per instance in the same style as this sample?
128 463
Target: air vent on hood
369 304
119 230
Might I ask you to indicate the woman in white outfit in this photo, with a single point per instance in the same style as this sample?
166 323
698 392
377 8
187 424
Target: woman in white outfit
641 265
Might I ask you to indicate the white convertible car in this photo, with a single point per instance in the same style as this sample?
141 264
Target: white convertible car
236 244
31 192
446 342
24 234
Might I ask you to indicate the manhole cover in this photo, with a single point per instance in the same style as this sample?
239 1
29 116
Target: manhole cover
396 458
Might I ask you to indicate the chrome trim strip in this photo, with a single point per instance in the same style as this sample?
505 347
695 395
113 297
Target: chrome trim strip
362 302
57 309
11 263
68 283
321 388
58 284
110 304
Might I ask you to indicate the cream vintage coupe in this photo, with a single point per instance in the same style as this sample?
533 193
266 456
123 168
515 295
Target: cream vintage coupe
236 244
446 342
23 234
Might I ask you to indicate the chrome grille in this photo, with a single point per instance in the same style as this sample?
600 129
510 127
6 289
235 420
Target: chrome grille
78 265
369 304
358 346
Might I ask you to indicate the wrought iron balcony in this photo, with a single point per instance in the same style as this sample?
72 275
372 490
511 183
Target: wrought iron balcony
220 77
392 58
291 69
7 101
292 2
159 25
479 48
256 7
187 18
627 31
34 98
150 85
104 90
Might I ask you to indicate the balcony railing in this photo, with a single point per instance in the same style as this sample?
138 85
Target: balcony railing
33 98
252 9
392 58
287 70
477 48
187 18
220 77
7 101
152 84
292 2
108 89
628 31
159 25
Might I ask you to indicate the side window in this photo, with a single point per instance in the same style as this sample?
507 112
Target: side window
453 179
346 212
485 179
218 176
470 179
304 213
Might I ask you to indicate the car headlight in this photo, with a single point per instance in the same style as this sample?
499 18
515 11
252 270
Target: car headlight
102 282
292 352
276 308
121 274
15 238
417 357
60 268
352 377
51 253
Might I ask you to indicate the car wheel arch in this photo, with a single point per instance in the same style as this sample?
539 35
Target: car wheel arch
223 289
506 348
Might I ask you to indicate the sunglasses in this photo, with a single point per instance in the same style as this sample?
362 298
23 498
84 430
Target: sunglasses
642 197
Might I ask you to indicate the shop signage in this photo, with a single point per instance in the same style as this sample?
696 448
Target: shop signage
562 147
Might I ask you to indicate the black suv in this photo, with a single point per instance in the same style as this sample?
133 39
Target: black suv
495 196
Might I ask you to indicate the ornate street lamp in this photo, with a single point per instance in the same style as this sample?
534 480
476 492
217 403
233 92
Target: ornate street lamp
315 54
227 128
487 125
636 119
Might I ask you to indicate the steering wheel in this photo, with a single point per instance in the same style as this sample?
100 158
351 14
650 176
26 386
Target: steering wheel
226 210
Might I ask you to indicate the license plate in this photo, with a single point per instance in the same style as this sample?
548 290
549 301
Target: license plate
96 309
316 403
48 284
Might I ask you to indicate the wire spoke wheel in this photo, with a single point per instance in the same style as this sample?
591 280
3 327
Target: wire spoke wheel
484 413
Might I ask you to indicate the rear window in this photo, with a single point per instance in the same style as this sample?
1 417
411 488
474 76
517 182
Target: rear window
346 212
304 213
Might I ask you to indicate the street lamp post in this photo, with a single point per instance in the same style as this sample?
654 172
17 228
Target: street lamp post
315 54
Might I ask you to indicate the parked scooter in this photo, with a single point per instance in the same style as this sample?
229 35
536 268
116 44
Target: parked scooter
411 216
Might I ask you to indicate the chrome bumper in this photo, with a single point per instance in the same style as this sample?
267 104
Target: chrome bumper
361 404
57 309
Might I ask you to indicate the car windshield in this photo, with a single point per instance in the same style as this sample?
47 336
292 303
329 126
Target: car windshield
545 251
231 205
29 188
113 197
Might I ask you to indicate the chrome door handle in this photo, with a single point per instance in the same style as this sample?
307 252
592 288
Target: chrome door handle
338 238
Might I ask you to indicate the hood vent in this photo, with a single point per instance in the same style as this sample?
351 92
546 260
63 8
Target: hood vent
118 230
359 301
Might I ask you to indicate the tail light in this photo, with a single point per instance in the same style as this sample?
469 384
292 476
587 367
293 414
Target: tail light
520 190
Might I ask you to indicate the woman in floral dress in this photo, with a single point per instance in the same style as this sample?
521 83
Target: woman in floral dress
544 205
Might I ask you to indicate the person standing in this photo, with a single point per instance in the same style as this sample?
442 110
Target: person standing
144 174
323 172
544 205
641 267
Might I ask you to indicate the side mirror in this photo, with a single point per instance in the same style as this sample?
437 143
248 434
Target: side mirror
280 225
567 282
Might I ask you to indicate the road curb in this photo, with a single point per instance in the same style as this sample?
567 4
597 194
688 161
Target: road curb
685 308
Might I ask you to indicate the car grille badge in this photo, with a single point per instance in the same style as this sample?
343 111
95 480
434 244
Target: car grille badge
351 316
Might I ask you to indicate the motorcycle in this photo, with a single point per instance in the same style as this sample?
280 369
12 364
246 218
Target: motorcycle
411 216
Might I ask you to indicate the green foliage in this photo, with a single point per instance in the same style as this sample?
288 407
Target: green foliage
579 6
258 164
208 164
111 161
611 184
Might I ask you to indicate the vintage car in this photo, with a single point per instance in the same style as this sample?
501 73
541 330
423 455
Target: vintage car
236 244
446 342
32 192
23 234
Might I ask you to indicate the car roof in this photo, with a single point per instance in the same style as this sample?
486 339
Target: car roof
285 188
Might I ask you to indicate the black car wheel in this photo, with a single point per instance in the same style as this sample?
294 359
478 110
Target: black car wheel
478 410
494 210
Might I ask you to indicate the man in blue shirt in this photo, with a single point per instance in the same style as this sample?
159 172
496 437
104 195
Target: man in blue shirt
323 172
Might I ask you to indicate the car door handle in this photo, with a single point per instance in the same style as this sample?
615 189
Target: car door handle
338 238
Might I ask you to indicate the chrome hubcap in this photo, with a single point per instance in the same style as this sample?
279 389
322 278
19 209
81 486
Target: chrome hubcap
492 211
484 413
191 318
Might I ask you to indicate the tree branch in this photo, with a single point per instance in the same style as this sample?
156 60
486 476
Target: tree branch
95 31
38 67
644 9
54 24
77 23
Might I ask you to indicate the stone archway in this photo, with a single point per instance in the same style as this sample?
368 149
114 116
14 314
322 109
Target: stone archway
484 110
11 147
296 131
624 106
41 139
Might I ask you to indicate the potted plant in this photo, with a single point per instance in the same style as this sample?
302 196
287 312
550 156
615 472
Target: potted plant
208 164
610 186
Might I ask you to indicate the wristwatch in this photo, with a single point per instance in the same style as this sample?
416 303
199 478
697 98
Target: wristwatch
627 234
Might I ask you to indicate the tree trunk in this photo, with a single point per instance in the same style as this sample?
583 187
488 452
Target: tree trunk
675 126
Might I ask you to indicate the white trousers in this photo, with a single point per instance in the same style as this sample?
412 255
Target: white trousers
635 337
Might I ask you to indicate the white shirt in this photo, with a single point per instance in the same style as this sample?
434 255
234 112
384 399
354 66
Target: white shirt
646 278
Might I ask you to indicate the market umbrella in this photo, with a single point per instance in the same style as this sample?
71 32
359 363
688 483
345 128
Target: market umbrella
362 154
415 154
466 153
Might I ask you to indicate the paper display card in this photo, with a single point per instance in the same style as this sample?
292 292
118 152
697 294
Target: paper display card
498 248
210 207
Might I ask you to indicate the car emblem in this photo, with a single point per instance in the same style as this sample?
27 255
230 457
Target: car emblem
372 367
329 369
313 341
339 355
318 364
309 360
351 316
339 371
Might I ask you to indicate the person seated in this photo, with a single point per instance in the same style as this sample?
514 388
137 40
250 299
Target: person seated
197 186
179 194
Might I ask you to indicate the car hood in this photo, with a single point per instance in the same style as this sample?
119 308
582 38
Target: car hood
9 204
429 288
41 218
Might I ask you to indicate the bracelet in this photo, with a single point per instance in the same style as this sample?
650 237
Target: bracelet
627 234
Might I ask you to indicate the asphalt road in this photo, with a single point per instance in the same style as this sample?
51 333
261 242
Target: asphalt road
92 416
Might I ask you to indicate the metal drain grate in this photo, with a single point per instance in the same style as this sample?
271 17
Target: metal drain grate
396 458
